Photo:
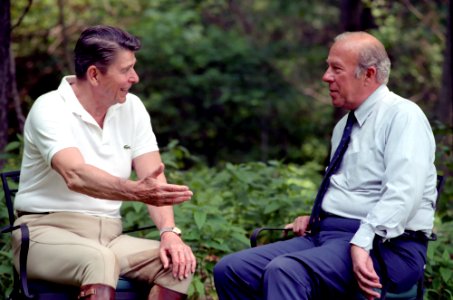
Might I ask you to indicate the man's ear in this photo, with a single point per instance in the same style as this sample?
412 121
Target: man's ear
93 75
370 74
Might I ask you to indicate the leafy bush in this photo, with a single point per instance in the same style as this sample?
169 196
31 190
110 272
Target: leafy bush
439 270
228 203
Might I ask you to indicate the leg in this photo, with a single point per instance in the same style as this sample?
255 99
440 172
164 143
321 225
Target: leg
160 293
323 272
239 275
139 259
61 256
404 260
96 292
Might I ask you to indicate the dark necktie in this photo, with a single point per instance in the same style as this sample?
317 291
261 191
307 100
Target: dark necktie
331 169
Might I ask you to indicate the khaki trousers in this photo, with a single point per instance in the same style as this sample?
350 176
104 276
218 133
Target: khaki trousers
79 249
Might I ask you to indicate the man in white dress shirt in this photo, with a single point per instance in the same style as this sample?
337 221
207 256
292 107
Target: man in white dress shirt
377 211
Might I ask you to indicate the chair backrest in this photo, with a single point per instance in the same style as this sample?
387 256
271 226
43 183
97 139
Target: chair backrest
439 186
10 183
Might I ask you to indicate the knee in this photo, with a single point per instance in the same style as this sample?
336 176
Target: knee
221 268
289 277
224 267
277 266
286 269
100 266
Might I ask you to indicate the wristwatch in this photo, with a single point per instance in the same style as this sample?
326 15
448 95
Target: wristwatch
175 230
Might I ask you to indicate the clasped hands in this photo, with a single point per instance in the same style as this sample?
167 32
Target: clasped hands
362 264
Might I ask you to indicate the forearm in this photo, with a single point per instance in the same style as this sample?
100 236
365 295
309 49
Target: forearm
162 216
94 182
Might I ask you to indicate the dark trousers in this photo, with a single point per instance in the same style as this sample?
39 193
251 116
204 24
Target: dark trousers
314 267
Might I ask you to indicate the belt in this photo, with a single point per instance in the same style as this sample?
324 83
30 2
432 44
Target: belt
21 213
415 235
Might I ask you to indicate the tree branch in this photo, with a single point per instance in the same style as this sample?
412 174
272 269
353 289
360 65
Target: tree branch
30 2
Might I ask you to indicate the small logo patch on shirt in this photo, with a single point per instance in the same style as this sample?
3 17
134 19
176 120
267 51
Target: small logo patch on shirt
127 147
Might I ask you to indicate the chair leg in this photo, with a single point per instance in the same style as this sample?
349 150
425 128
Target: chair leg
96 292
160 293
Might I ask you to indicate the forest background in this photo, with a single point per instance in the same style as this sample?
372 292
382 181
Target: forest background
236 99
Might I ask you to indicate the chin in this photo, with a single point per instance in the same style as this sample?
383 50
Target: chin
337 104
121 100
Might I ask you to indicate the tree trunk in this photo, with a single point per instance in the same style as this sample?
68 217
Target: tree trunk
5 40
444 110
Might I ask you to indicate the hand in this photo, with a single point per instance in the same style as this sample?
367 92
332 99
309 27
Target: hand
299 226
174 252
154 192
364 272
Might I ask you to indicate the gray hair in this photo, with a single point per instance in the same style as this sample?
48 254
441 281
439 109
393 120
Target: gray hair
370 54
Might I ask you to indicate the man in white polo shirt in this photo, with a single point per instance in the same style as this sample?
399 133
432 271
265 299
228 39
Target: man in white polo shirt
81 143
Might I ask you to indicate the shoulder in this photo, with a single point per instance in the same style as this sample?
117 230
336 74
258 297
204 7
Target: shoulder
397 107
133 106
50 103
133 102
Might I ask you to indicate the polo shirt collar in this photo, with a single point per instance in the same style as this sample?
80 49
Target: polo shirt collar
69 97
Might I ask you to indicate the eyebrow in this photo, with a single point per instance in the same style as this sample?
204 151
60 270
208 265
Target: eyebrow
129 65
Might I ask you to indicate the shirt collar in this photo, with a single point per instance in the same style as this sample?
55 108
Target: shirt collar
68 95
366 108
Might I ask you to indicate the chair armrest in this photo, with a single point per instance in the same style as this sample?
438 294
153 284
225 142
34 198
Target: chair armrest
23 256
256 232
139 229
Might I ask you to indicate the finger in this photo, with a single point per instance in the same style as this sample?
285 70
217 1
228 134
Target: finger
368 287
164 258
177 264
165 201
168 187
371 279
170 195
173 201
193 262
289 226
370 293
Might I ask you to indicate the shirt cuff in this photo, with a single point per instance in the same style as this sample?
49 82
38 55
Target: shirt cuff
364 237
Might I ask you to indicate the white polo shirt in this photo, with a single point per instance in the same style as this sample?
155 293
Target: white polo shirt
57 121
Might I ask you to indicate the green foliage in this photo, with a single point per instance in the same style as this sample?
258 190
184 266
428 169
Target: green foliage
11 155
439 270
415 42
223 81
228 203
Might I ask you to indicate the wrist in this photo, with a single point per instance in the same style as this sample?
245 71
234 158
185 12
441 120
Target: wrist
174 230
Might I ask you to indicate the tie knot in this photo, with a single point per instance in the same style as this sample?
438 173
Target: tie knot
351 118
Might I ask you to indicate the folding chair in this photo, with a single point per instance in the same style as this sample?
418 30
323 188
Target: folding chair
23 288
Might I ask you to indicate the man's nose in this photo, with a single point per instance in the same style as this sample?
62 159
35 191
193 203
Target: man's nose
134 77
327 77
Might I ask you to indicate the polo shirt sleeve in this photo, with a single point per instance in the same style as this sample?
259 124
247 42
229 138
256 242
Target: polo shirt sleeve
144 138
49 129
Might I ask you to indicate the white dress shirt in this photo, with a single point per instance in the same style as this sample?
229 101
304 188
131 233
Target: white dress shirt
387 178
